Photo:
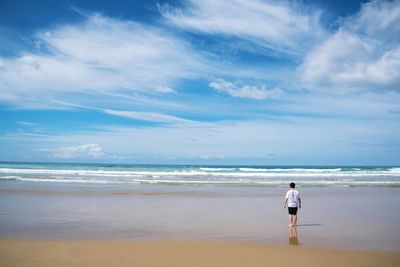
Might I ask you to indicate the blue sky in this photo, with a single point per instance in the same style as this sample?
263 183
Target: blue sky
200 82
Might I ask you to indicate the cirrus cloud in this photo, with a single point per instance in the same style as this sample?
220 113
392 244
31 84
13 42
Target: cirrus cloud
282 26
148 116
99 54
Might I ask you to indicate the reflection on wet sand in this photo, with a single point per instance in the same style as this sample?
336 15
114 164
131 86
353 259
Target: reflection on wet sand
293 237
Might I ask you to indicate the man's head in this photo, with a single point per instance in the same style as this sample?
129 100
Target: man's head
292 185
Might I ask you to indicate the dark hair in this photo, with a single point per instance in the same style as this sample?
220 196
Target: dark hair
292 185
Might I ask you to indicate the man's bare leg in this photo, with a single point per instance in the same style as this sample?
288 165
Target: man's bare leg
294 220
290 220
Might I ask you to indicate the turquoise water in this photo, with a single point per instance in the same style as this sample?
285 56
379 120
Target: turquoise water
266 176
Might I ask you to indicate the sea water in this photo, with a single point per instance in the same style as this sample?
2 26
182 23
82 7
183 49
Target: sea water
266 176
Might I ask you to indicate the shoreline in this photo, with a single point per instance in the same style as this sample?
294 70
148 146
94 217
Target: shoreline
45 253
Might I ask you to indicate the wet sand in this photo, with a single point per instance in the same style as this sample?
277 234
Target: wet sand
172 253
332 217
62 225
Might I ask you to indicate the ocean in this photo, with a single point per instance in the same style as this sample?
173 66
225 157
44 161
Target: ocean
209 175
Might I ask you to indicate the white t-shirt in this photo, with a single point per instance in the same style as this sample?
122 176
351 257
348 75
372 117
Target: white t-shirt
293 198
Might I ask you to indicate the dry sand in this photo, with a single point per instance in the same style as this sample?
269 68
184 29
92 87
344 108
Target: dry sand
174 253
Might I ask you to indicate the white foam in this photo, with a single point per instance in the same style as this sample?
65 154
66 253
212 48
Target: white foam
9 177
290 170
217 169
73 181
395 170
245 172
202 175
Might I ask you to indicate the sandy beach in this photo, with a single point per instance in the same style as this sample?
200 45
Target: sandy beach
172 253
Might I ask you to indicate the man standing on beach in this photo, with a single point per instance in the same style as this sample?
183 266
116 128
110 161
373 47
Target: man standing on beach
293 201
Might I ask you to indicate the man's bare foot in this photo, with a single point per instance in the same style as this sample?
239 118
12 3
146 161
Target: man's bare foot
290 225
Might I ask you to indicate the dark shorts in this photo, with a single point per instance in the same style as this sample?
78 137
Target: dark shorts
292 211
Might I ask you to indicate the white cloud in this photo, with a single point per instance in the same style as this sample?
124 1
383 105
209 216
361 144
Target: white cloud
89 150
94 61
147 116
204 157
164 89
283 26
100 54
211 158
28 123
363 54
245 91
378 18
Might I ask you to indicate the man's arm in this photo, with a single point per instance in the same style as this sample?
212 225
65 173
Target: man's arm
299 203
284 205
